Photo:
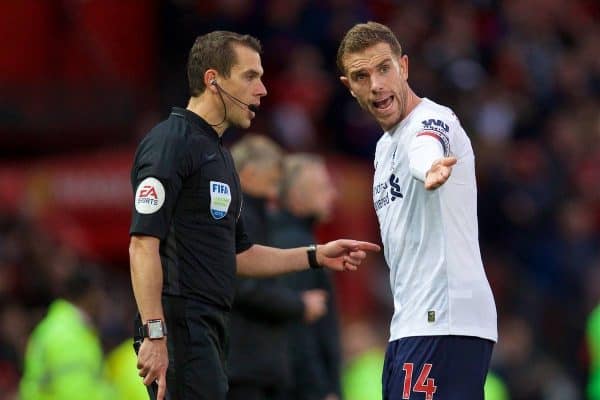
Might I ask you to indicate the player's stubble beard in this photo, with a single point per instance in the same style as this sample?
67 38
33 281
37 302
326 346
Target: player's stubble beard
402 101
401 96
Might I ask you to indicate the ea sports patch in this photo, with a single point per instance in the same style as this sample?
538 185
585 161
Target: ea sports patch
220 198
149 196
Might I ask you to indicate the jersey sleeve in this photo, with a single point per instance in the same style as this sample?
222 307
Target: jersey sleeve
156 178
430 143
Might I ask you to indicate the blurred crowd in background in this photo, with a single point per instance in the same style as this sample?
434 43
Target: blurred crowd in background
84 79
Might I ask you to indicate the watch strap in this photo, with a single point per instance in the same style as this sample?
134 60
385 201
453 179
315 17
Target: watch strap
311 252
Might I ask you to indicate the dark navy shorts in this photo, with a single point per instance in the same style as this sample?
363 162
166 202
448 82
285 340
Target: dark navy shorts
436 368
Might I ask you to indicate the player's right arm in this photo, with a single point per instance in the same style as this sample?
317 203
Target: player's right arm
429 155
147 282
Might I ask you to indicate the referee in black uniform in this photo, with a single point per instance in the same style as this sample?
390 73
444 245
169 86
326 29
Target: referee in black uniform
187 238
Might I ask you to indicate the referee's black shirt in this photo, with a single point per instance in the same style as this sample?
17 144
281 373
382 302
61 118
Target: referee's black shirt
187 194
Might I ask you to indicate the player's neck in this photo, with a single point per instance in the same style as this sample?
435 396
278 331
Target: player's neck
209 112
412 101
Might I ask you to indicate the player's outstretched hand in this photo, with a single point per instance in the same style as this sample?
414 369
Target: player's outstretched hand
344 254
152 364
439 172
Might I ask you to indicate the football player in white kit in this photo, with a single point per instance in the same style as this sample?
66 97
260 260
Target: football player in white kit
425 196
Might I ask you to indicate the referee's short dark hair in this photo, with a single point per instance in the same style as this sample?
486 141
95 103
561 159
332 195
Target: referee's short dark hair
215 50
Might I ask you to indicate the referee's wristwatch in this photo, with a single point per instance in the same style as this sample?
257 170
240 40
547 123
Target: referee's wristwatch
311 252
154 329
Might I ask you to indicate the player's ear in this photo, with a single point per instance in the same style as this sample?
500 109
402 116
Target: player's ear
403 62
346 83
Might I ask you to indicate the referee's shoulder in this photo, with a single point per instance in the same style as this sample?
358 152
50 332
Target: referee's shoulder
169 132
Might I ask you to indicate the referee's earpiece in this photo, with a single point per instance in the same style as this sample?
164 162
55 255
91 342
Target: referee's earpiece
214 85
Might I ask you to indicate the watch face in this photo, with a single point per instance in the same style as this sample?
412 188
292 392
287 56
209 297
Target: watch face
155 329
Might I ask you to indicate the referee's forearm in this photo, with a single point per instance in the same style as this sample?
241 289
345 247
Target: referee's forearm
146 276
263 261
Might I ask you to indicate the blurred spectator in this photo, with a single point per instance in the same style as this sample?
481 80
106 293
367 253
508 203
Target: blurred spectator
64 357
529 373
259 362
13 336
307 197
593 342
364 354
494 388
121 372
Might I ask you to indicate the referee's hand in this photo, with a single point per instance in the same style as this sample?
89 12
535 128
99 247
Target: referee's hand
152 364
344 254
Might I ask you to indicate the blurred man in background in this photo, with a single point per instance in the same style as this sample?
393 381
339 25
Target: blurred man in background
425 196
307 197
64 358
258 366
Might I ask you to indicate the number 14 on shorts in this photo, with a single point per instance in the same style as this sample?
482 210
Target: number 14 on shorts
424 383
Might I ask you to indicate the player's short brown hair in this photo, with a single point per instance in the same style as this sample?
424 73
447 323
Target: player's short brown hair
363 36
215 50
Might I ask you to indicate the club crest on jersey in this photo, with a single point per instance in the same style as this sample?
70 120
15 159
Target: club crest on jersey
149 196
220 198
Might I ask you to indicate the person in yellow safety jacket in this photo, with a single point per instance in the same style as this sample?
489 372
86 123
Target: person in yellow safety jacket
361 379
64 357
121 371
593 341
494 388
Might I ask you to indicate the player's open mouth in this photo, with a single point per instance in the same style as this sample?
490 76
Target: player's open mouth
383 104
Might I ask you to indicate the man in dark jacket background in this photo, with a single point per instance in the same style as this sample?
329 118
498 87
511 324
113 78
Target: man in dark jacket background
307 196
259 362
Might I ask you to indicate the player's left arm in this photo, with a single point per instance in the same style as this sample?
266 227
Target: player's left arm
430 160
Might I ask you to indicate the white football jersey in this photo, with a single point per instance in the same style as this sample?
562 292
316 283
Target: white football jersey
430 237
